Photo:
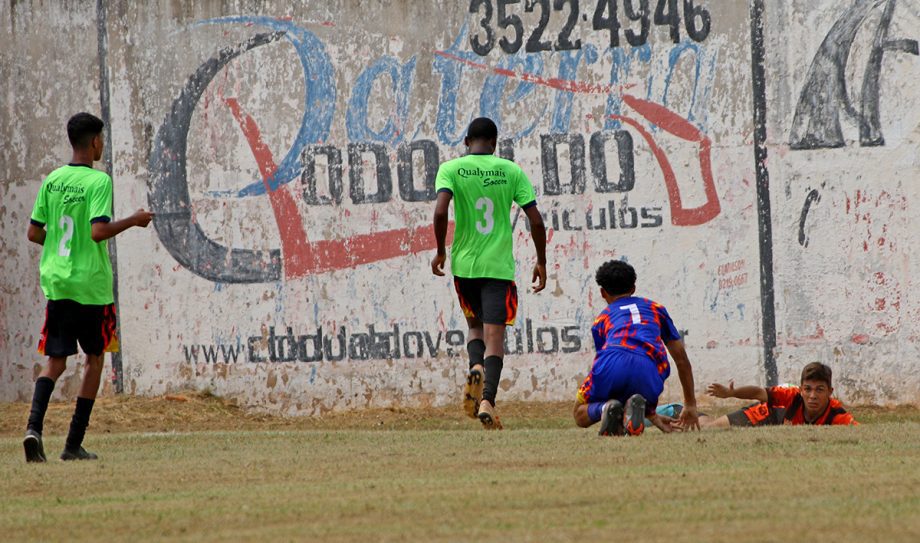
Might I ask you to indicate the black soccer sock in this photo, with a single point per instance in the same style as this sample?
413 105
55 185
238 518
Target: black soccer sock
476 348
44 386
493 365
79 422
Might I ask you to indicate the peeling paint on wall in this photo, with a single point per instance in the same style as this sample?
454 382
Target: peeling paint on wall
290 157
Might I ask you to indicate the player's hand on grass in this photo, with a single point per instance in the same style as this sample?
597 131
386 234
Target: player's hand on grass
719 390
437 264
689 418
664 423
142 218
539 277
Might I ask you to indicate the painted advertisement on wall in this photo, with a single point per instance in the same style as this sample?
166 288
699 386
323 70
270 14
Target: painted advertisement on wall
753 160
291 160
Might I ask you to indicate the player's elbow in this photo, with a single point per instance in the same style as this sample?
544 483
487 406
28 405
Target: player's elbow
440 217
98 235
536 222
683 363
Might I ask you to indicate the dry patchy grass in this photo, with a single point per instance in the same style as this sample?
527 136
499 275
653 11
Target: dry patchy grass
436 477
199 411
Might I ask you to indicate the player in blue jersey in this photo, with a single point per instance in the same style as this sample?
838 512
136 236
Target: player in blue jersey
632 337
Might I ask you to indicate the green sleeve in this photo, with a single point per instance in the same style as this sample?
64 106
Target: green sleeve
443 181
40 210
100 201
524 193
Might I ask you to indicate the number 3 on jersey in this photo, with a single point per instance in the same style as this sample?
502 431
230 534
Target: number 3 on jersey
65 224
488 221
634 311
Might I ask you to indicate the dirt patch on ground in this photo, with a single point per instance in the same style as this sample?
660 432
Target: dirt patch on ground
197 411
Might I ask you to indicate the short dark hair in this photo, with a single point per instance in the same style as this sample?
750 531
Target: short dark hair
482 128
817 371
82 128
616 277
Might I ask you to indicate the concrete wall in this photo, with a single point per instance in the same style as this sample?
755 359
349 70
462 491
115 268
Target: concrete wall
289 151
48 67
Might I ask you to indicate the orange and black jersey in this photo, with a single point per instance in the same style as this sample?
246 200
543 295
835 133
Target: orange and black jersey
790 400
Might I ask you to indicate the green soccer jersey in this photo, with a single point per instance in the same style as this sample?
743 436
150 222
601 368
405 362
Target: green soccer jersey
73 266
483 188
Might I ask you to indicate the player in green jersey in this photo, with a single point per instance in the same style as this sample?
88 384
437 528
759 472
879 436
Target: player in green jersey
71 220
483 188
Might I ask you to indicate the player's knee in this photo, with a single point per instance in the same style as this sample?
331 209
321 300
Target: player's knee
55 368
94 363
582 420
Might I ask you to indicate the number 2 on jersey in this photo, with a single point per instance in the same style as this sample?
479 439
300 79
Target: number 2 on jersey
65 224
634 311
488 221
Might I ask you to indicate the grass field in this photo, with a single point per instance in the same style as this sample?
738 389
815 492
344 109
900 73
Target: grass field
197 469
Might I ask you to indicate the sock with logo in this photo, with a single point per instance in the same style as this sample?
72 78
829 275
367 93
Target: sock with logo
596 411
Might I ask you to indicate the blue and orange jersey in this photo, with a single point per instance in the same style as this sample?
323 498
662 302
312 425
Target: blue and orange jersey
637 325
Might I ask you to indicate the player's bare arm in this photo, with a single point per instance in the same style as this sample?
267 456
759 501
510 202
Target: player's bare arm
538 233
441 206
105 230
36 234
718 390
689 417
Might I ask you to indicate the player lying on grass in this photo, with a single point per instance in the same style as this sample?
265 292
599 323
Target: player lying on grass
809 403
632 337
71 220
483 188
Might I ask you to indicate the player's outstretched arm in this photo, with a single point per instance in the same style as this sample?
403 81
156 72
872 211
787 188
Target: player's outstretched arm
663 423
441 207
718 390
538 233
105 230
36 234
689 417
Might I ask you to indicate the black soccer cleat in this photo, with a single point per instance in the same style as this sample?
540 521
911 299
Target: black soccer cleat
77 454
635 415
32 444
611 419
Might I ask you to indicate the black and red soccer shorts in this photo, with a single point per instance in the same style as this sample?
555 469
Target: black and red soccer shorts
492 301
68 322
759 414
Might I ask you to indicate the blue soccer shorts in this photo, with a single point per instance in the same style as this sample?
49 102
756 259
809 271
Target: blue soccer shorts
618 374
